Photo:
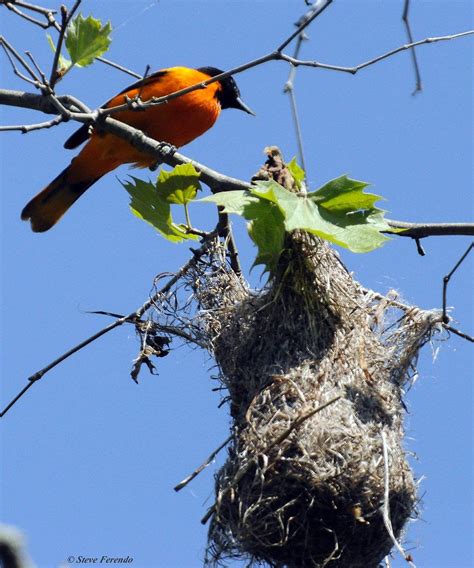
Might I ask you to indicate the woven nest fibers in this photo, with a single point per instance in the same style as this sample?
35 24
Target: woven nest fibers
316 473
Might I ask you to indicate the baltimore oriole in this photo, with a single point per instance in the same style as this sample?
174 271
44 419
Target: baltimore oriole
178 122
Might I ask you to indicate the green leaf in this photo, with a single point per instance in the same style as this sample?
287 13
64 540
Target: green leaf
266 222
147 204
63 62
87 39
344 195
231 201
348 216
267 230
359 231
180 185
296 171
339 212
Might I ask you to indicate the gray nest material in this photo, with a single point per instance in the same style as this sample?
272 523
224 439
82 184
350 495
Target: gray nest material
315 377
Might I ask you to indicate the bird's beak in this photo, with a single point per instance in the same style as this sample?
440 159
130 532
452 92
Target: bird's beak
239 103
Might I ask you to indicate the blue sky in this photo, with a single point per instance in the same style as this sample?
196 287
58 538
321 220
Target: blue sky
89 459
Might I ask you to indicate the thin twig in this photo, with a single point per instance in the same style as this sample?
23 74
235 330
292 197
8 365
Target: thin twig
25 128
36 66
119 67
406 21
65 20
11 6
304 22
447 278
28 6
386 505
168 329
419 246
356 68
460 333
233 252
198 470
11 51
290 89
225 231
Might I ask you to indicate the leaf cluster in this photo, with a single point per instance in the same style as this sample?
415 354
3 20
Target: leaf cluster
340 211
152 201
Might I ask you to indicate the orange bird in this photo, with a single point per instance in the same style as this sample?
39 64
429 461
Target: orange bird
177 122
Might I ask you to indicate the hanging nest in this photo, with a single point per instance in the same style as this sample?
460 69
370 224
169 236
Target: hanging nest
314 366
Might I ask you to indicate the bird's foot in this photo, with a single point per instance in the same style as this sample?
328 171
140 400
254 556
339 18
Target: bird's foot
165 150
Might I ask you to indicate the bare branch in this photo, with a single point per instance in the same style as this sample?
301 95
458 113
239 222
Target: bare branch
119 67
12 53
11 6
460 333
43 103
198 470
28 6
406 21
130 318
421 230
225 231
25 128
447 278
65 19
36 66
356 68
317 9
290 89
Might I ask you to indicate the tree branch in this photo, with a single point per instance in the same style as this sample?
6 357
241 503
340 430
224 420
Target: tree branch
133 317
25 128
65 19
11 5
422 230
356 68
406 22
163 152
12 54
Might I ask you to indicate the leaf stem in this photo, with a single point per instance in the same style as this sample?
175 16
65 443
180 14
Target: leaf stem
186 213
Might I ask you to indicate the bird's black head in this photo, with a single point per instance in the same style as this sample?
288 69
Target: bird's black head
229 94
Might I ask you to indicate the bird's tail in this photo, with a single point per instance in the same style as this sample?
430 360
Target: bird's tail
46 208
